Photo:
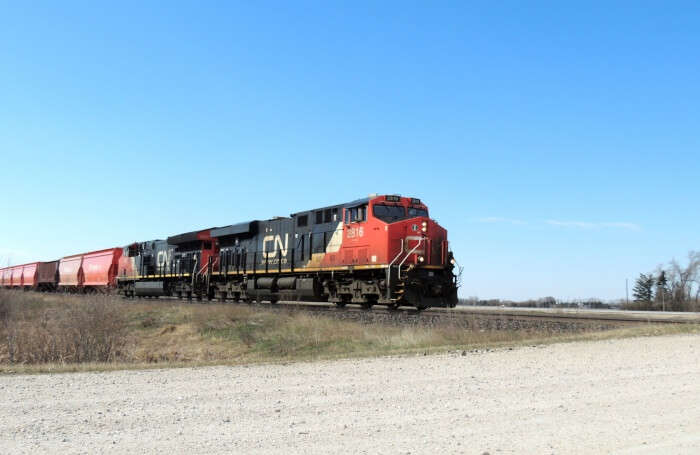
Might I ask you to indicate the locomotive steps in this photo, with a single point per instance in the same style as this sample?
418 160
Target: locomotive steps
54 332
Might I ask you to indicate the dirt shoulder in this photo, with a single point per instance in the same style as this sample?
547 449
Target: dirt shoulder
635 395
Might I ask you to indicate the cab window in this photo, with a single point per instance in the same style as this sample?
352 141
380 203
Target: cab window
357 214
389 213
414 212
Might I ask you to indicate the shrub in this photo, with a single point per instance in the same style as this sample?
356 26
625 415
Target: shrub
67 331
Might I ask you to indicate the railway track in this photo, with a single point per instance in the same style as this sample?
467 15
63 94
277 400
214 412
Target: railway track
463 315
586 314
506 315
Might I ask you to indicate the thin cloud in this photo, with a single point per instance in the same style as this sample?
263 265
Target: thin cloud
589 225
498 219
575 224
631 226
564 224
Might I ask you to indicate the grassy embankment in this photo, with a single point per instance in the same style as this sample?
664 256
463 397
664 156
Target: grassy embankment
50 332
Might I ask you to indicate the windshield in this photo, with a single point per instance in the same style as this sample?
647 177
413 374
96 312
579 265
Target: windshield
389 213
414 212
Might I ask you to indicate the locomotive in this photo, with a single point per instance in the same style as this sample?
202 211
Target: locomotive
382 250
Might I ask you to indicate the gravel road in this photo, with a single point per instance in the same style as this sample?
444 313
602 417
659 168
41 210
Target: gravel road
624 396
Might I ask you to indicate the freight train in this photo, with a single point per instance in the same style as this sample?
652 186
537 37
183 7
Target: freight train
383 250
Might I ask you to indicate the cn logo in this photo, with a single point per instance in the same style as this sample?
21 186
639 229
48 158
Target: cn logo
163 258
276 241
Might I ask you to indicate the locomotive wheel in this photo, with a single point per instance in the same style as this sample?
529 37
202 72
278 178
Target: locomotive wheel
370 302
344 300
274 300
393 306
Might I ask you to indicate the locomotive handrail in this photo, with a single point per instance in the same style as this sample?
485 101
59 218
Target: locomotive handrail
214 262
458 278
388 269
194 271
388 272
410 253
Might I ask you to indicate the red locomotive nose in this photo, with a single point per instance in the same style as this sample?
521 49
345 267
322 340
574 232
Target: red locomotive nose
425 242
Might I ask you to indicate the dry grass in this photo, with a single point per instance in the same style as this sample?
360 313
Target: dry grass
40 332
35 332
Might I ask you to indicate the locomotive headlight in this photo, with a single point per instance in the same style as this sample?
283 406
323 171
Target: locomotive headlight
424 226
421 259
452 261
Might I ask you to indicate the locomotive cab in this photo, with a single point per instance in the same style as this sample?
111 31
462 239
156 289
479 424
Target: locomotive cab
408 243
412 237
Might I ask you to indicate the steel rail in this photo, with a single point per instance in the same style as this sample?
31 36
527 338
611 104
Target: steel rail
466 312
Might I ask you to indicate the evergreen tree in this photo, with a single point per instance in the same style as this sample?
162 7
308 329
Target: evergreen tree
662 294
643 290
662 281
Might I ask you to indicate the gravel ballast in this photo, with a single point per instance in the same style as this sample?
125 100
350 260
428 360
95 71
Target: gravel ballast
636 395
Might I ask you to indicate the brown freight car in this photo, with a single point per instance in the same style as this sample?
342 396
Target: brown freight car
47 276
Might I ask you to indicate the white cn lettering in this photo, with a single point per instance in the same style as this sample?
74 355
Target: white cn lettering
163 258
276 245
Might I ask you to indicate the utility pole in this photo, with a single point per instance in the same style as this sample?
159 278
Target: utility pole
627 292
662 286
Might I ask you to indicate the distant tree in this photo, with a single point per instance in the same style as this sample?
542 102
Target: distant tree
547 302
662 294
471 300
682 279
662 281
643 291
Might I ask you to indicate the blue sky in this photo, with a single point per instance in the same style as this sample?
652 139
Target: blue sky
557 142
